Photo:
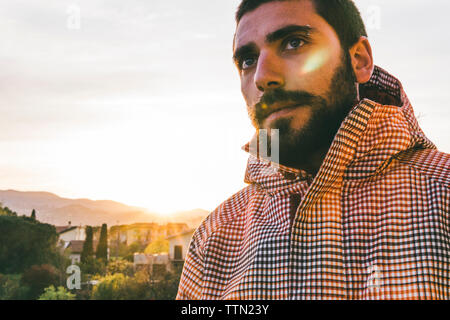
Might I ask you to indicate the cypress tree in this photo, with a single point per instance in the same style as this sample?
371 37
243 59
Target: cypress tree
33 214
88 250
102 247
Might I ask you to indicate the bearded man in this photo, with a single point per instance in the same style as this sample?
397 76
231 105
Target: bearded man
353 201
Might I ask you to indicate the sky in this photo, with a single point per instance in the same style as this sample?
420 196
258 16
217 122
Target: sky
138 101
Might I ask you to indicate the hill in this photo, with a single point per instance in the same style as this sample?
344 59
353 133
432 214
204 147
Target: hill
52 209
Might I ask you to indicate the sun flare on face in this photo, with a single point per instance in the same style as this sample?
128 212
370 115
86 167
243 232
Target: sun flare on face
316 61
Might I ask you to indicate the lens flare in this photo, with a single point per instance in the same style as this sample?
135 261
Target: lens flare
315 61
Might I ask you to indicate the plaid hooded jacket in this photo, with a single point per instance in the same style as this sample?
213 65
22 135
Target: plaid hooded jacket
372 224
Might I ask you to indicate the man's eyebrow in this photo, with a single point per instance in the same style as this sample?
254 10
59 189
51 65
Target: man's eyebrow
243 50
271 38
281 33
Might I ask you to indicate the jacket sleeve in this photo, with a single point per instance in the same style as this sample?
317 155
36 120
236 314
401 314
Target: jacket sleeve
191 282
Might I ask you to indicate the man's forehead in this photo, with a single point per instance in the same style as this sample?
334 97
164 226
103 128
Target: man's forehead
272 16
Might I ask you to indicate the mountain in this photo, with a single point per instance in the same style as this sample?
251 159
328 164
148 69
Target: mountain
56 210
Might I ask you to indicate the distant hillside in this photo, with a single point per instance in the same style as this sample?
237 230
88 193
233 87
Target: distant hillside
55 210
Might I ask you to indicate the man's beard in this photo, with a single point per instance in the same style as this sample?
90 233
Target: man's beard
297 146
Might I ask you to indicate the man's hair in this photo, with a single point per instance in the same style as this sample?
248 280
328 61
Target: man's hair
342 15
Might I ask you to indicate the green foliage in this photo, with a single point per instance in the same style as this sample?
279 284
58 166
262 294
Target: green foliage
60 293
160 245
128 253
167 288
120 266
140 287
93 266
7 212
37 278
25 242
88 250
102 247
11 289
33 214
118 249
116 287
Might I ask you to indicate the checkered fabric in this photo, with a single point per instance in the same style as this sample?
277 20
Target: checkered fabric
372 224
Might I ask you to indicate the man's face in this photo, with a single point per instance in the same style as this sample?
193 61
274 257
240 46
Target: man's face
295 76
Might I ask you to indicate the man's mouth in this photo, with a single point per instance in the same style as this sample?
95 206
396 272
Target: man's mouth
281 112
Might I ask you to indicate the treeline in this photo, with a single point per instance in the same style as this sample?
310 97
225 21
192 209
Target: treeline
32 266
25 242
29 258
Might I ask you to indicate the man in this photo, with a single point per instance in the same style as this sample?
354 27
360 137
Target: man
356 205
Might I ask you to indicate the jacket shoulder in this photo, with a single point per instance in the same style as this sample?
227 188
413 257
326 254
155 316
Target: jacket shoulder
223 215
429 162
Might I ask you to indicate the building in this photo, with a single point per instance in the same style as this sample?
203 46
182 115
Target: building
70 233
75 248
156 264
143 233
178 247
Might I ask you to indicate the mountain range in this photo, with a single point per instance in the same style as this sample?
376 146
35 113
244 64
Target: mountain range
58 211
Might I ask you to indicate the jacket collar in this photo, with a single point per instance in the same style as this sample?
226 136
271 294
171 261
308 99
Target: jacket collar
380 126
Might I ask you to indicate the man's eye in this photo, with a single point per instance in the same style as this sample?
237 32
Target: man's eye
248 62
294 43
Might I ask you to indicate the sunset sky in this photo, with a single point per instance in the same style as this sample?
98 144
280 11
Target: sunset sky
138 101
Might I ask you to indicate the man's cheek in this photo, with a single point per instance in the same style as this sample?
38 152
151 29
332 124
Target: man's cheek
316 61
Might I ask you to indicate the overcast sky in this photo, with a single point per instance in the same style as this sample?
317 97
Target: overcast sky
139 102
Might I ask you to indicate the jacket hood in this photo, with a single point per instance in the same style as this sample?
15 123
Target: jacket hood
379 127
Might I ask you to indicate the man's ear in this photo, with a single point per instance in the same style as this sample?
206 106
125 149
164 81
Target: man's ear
362 60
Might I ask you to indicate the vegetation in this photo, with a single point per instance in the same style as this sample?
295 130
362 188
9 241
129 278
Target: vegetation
120 266
7 212
139 287
37 278
160 245
102 247
59 293
25 242
33 267
11 289
88 248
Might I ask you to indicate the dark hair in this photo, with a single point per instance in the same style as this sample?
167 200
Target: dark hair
342 15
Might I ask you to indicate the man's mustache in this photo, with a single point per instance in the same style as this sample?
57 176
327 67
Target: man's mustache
274 100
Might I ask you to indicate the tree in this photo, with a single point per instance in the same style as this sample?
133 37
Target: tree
102 247
33 214
7 212
120 266
120 287
24 242
60 293
11 289
110 288
88 250
92 266
167 288
160 245
37 278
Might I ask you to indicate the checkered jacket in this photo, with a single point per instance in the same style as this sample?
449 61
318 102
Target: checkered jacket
372 224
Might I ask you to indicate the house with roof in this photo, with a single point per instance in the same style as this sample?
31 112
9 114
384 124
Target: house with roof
143 233
156 264
70 233
179 246
75 248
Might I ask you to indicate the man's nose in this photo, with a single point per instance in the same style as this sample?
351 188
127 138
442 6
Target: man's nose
268 73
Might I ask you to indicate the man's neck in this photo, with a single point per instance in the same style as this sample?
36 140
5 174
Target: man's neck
311 164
